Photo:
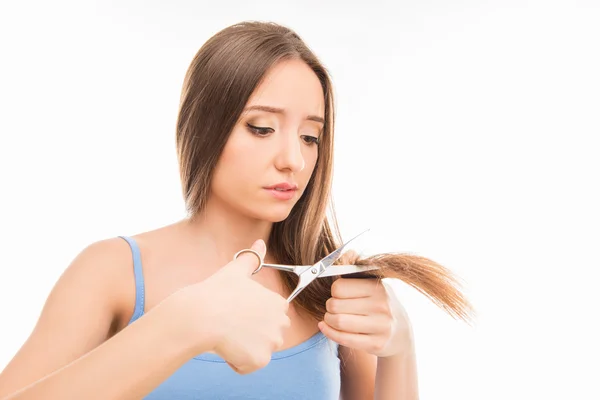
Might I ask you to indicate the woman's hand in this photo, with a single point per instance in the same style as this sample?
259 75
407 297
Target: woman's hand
243 321
364 315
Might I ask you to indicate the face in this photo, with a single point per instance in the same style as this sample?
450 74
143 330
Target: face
271 153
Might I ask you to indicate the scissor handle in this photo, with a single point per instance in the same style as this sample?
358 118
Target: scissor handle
260 260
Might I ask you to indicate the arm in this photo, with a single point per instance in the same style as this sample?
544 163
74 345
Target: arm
376 341
68 355
365 376
358 370
397 377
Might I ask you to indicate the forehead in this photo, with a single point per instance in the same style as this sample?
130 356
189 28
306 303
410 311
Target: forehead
293 86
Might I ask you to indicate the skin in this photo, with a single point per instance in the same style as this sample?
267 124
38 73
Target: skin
265 148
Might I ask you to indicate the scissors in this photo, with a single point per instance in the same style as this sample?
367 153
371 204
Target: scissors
308 273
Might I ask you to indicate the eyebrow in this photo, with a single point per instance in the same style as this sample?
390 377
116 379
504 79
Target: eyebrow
276 110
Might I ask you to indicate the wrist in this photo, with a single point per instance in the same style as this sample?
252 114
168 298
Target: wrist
192 330
401 356
401 348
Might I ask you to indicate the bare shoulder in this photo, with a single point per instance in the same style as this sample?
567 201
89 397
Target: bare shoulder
78 315
105 265
98 280
111 254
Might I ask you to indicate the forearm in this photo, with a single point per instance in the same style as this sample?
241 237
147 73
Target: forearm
128 366
396 377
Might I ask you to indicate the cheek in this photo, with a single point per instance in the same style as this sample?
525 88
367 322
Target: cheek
234 148
237 163
310 159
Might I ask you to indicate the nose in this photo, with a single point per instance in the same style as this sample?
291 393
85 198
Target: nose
290 155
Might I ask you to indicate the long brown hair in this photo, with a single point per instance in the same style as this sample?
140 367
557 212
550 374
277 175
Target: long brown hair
219 81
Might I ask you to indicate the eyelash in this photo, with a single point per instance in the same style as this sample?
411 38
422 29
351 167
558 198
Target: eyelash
261 131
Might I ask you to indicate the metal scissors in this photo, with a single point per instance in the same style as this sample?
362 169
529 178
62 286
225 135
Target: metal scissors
308 273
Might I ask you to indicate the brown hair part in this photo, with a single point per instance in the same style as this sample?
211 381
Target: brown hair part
218 84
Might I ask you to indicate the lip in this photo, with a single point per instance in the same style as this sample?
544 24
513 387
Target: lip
283 186
283 190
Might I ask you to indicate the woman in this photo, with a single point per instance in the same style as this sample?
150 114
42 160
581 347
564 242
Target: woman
168 314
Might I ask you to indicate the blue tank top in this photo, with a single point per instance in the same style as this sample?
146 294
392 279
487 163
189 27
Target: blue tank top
310 370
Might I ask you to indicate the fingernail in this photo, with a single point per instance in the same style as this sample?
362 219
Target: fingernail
259 246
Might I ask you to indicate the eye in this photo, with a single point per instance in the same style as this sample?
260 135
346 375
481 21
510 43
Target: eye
311 139
259 130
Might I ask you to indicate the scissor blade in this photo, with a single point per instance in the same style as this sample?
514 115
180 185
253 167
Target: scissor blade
332 257
306 278
336 270
310 273
281 267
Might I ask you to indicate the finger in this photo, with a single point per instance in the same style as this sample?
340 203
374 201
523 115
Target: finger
357 323
233 367
357 306
345 288
249 260
260 247
241 371
346 339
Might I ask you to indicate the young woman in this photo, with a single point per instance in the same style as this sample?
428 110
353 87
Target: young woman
167 314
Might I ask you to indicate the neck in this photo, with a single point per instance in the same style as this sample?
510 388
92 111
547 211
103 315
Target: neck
222 232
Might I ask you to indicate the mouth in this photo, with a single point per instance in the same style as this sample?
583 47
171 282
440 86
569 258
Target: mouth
283 191
283 186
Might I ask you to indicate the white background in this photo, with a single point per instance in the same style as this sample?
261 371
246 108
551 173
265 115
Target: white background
467 132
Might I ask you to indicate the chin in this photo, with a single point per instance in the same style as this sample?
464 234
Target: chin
273 213
274 216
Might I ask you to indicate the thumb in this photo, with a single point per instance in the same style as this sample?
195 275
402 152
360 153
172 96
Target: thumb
260 247
249 260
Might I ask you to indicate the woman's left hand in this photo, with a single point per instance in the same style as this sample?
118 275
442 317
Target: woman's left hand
363 315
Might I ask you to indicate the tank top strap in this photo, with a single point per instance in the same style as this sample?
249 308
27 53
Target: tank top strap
138 273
